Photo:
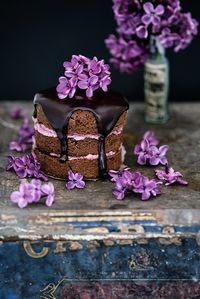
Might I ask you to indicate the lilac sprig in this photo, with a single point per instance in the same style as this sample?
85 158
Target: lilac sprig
169 176
25 167
25 134
137 21
133 181
32 192
84 73
147 150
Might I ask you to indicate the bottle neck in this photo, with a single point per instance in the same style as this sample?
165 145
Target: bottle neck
157 51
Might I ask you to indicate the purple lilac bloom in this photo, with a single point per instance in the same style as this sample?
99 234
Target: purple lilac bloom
48 190
158 155
66 87
152 15
148 152
72 65
17 113
167 38
77 74
84 73
36 184
151 138
33 192
142 150
148 188
169 176
24 196
127 181
90 85
25 166
75 180
137 21
127 55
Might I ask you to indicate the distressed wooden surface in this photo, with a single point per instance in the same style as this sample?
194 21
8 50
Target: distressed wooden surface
176 206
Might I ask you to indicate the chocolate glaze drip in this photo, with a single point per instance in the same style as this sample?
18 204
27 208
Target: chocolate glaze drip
106 107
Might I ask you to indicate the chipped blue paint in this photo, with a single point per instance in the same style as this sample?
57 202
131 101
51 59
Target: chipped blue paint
22 276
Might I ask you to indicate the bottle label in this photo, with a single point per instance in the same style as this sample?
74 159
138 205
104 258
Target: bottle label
156 89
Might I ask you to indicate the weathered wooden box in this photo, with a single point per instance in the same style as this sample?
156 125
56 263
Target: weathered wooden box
88 245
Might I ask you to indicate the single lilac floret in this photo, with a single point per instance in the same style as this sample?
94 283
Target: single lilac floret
90 85
25 195
75 180
151 138
158 155
142 150
169 176
152 15
147 188
48 190
66 87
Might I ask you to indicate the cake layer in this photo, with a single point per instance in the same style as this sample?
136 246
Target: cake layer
77 147
80 122
87 166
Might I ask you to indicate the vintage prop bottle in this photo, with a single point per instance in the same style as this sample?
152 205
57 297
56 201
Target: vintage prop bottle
156 86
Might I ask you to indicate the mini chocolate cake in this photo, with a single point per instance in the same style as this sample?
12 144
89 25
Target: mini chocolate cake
81 134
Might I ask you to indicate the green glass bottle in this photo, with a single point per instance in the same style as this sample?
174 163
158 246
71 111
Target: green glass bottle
156 84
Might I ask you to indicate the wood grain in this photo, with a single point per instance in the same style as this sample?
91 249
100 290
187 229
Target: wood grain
176 206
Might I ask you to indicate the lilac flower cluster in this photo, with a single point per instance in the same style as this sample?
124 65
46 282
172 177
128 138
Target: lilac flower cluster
169 176
25 166
127 180
137 20
84 73
25 134
33 192
147 150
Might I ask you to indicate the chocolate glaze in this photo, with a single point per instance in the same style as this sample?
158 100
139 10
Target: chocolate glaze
107 108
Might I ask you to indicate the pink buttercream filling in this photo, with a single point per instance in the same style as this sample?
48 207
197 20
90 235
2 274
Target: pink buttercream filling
51 133
88 157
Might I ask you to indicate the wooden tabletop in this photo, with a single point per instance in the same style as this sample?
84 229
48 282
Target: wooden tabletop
176 206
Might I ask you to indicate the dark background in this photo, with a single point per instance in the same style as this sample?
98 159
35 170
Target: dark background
37 36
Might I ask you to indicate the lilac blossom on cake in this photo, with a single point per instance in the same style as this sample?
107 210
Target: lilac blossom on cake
83 73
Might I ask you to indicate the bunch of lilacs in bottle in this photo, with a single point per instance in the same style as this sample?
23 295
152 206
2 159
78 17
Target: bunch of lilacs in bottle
137 20
84 73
